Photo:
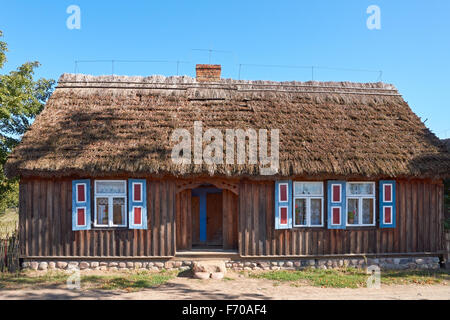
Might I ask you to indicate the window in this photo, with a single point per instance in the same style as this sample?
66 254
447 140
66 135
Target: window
308 204
360 203
110 203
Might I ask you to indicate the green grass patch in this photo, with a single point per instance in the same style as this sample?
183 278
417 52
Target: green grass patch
132 281
351 277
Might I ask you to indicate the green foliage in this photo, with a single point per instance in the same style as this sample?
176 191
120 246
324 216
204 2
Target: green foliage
21 99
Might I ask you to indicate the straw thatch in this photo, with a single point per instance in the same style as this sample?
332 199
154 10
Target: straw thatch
447 143
101 126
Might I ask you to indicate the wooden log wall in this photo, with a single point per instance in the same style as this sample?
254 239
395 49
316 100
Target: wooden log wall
419 210
184 218
45 208
45 213
230 220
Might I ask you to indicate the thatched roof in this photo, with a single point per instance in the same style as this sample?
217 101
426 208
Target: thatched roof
108 125
447 143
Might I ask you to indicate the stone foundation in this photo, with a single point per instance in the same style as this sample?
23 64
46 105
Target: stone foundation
409 263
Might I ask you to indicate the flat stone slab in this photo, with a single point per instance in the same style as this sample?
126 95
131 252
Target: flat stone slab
209 266
202 275
217 275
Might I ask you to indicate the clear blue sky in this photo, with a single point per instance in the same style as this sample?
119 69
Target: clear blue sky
412 48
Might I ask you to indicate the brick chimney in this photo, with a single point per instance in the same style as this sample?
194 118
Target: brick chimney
208 72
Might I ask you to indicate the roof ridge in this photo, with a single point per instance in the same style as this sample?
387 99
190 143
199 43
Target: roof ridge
159 82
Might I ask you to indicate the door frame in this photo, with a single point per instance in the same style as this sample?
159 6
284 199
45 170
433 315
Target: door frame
202 193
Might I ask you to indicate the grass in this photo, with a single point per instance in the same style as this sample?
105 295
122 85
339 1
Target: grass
352 277
132 281
8 222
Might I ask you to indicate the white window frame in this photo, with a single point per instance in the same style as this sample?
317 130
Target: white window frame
308 198
76 192
360 198
110 197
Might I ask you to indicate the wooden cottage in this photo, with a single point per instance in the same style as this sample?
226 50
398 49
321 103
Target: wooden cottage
357 174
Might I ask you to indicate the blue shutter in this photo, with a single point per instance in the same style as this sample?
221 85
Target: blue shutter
387 204
338 206
81 205
138 206
282 205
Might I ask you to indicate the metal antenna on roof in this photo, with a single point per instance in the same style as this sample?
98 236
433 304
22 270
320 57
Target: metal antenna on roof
210 51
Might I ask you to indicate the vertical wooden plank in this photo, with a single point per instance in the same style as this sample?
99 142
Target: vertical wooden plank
155 229
29 210
22 216
43 217
255 213
35 223
414 217
420 217
169 222
396 231
403 213
248 216
63 210
225 220
148 234
315 242
433 222
408 217
269 220
307 241
427 205
241 242
366 241
441 204
49 218
162 212
68 215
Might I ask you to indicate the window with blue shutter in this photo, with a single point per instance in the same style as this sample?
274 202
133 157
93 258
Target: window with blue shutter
81 205
283 204
137 204
387 204
336 201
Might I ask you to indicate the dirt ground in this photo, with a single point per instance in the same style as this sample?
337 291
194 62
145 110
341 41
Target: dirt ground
237 288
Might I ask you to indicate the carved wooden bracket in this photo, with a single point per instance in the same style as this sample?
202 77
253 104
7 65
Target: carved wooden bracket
219 183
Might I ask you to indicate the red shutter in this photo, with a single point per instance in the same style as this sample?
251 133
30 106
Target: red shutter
336 193
81 221
387 215
137 192
137 215
283 215
336 215
283 193
81 192
387 193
